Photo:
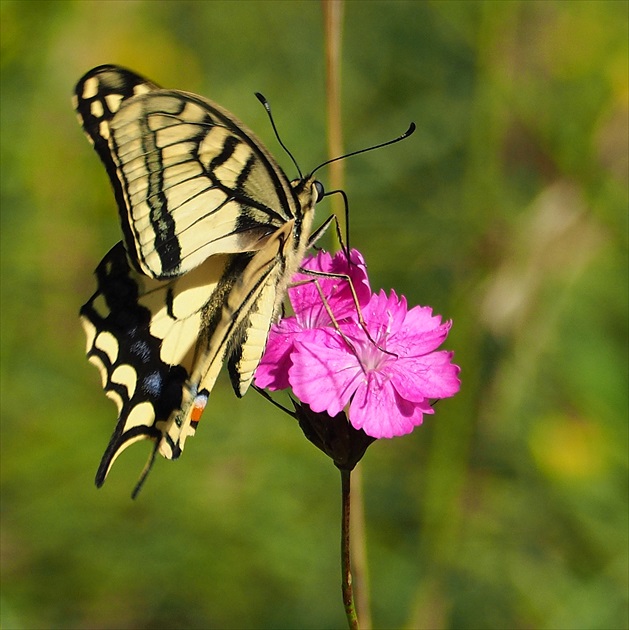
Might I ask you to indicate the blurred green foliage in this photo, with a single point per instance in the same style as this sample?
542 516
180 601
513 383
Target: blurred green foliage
506 211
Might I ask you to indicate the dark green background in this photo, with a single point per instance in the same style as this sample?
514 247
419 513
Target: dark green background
506 211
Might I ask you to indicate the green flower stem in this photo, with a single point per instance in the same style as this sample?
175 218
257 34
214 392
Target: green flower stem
346 577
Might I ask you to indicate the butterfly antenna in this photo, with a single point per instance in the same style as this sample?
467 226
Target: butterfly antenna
267 106
406 134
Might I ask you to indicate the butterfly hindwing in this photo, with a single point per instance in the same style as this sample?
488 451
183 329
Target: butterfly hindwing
143 349
190 180
159 345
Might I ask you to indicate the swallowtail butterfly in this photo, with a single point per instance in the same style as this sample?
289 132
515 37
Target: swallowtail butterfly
213 230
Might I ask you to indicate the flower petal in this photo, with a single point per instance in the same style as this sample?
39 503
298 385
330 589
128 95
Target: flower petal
272 372
384 314
380 412
419 334
430 376
305 296
324 373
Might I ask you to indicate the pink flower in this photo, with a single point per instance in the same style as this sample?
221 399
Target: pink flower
310 311
388 377
386 370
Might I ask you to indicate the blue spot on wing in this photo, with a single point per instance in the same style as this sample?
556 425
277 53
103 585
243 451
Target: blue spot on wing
142 350
152 384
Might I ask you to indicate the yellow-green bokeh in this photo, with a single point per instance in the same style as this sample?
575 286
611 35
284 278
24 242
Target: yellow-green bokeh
506 211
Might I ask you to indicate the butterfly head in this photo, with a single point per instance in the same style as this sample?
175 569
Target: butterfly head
308 187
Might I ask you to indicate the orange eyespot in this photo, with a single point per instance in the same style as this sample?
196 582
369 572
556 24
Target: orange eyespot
198 406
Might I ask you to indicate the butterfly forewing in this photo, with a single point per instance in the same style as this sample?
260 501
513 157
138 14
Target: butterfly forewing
213 231
190 180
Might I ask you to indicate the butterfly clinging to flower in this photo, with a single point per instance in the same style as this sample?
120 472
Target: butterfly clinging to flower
213 231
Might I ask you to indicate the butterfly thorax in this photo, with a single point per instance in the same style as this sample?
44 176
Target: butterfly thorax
308 192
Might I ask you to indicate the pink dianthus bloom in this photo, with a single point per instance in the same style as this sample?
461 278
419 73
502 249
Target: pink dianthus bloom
310 312
387 370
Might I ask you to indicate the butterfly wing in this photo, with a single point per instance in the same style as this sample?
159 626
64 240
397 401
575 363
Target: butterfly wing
190 180
159 345
213 231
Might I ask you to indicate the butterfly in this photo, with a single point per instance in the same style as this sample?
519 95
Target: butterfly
213 230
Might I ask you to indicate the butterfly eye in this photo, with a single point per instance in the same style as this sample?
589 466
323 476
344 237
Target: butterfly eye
320 190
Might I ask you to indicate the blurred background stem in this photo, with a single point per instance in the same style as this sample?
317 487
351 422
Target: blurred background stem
333 20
